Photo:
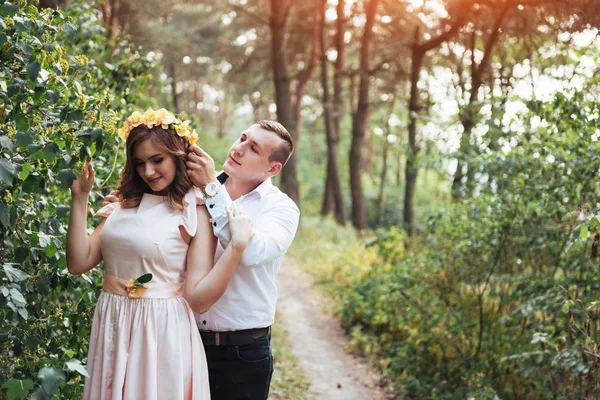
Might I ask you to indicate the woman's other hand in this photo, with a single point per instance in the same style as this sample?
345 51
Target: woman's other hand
112 197
241 227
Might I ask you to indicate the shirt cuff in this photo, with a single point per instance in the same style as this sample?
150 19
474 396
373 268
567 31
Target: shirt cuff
217 208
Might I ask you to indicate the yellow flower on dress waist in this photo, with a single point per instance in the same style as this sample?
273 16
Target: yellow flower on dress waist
136 287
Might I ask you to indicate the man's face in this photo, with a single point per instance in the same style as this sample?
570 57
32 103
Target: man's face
248 158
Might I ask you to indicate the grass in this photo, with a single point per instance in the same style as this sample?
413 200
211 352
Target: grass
289 381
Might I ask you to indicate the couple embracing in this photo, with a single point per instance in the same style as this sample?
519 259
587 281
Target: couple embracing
190 262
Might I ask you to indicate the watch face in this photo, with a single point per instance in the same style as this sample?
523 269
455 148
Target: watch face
211 189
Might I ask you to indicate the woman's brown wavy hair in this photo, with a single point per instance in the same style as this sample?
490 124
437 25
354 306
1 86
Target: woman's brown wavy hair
131 184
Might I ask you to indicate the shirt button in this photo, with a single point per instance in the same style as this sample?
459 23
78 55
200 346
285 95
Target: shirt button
204 322
214 224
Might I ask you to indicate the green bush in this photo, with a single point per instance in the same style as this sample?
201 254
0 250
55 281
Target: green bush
500 298
63 88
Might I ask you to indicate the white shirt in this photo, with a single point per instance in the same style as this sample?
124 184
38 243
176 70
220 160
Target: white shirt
249 300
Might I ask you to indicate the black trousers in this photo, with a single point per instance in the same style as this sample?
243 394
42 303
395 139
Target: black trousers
240 372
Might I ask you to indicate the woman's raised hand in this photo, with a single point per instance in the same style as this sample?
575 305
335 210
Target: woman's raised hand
241 227
82 186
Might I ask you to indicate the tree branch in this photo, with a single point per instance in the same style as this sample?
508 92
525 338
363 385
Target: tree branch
255 17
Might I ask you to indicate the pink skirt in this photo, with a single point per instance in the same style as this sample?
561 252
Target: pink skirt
145 348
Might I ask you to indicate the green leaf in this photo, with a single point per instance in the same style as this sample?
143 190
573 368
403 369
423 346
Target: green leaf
23 139
5 215
7 143
21 254
70 353
78 88
77 366
23 123
39 394
33 70
96 133
51 377
7 171
52 96
18 389
64 112
66 178
44 239
14 274
62 210
145 278
69 29
26 49
75 115
51 150
3 39
8 9
583 233
17 297
566 305
25 170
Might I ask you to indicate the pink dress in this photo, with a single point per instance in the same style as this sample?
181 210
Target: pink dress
148 347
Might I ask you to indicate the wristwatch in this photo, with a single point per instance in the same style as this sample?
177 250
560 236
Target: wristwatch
211 189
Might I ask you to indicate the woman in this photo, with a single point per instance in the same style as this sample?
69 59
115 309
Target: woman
156 245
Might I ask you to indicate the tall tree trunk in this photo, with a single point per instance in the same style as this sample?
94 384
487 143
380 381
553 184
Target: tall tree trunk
413 109
174 94
352 92
383 176
368 152
381 197
223 115
332 199
302 82
340 64
418 53
279 13
110 15
399 169
52 4
360 120
471 110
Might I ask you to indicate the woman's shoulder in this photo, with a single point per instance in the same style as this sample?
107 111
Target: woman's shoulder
193 198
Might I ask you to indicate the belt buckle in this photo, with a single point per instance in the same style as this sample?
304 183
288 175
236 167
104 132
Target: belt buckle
217 339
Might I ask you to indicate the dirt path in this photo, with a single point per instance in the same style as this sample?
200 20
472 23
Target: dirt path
318 342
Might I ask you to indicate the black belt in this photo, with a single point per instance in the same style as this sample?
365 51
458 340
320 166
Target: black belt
233 338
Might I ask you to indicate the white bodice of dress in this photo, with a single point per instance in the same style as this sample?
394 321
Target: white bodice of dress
147 238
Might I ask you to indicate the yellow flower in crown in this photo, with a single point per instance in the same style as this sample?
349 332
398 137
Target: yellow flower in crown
136 119
193 139
161 117
166 118
184 129
151 118
123 132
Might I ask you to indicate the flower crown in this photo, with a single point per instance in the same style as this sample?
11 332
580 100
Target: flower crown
160 117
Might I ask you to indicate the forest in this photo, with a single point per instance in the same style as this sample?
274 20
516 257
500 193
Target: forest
446 168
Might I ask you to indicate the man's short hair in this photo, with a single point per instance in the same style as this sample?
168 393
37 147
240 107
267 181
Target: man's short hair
283 152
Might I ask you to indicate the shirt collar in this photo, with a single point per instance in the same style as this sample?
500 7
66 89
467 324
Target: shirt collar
264 187
261 189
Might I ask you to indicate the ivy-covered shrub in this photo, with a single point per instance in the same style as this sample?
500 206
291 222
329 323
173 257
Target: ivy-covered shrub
63 89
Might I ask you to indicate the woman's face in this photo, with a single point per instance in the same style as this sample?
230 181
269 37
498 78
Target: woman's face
154 166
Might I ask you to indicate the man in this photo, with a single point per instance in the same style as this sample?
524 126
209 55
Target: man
236 330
